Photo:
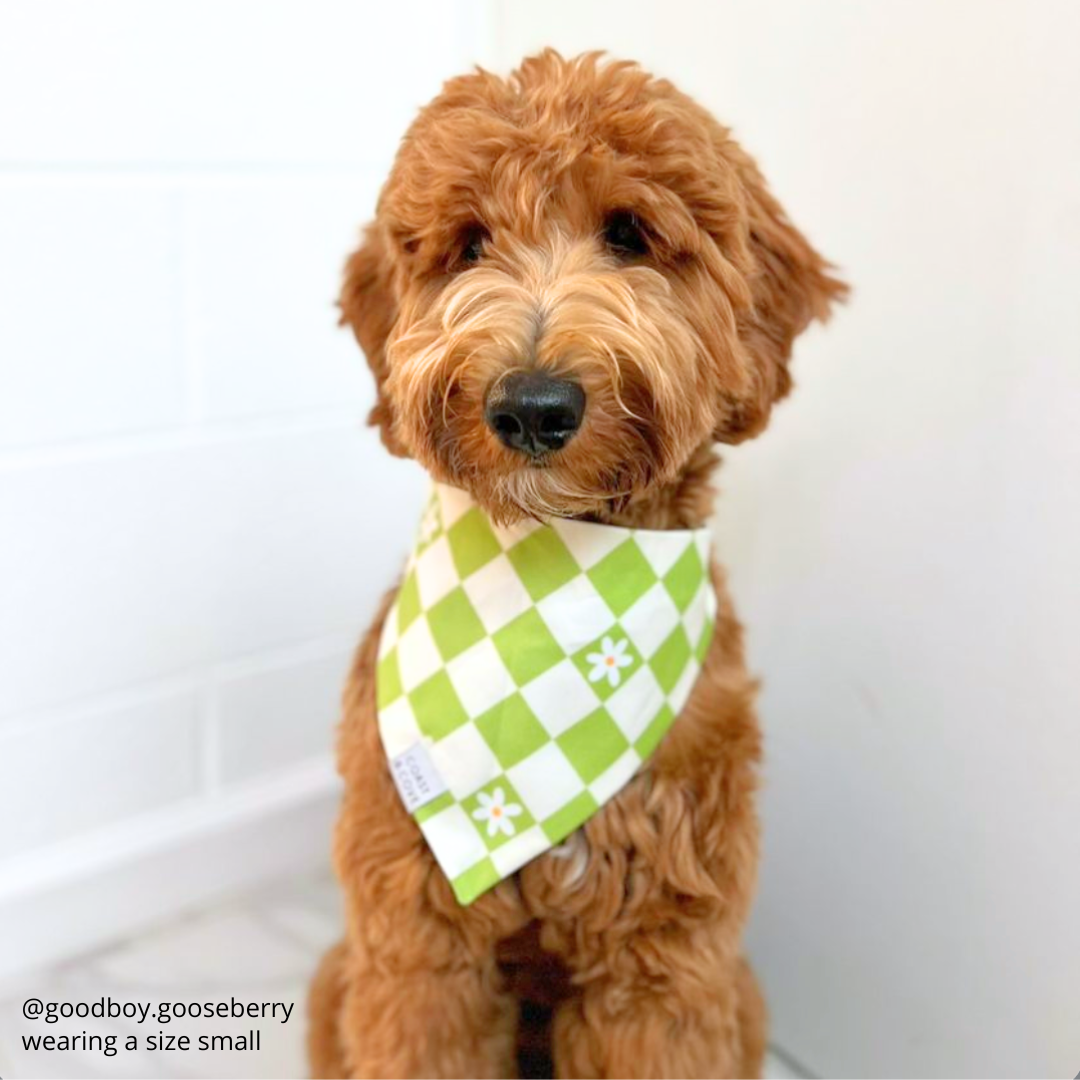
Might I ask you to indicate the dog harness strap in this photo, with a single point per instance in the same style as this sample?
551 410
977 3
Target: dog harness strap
526 673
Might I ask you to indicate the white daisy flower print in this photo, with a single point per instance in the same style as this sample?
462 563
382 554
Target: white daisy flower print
497 812
607 662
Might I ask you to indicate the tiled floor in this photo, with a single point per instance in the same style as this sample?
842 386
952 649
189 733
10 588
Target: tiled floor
260 948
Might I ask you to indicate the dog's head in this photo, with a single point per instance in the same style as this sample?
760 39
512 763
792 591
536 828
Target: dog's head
575 279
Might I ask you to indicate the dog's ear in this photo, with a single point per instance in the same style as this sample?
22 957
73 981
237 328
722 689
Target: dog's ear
369 307
790 286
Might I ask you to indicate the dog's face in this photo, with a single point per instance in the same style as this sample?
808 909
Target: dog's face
574 280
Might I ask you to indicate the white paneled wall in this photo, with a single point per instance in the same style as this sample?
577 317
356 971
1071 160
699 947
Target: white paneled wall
194 524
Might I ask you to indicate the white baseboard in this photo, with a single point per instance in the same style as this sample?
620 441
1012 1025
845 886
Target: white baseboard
83 894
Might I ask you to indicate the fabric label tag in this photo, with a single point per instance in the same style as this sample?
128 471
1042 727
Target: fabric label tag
416 778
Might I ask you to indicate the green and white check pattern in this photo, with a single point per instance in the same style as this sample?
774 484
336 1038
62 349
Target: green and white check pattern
539 666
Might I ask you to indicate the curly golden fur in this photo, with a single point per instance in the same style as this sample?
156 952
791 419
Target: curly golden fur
584 219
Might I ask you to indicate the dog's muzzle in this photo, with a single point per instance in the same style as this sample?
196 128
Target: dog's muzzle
534 413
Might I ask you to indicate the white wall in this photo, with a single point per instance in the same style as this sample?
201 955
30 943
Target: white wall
903 539
194 525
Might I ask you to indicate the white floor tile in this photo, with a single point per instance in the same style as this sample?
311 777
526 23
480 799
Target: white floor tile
211 950
255 950
777 1069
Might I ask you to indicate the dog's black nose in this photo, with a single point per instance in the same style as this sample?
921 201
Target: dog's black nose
533 412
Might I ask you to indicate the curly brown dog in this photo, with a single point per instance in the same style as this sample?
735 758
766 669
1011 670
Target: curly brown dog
587 222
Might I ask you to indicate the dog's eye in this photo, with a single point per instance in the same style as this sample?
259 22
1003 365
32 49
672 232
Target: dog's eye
625 235
473 240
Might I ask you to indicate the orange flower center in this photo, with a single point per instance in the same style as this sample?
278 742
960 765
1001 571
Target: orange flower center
496 811
610 661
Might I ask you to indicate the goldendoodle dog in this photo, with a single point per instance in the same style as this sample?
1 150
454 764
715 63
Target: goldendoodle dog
575 285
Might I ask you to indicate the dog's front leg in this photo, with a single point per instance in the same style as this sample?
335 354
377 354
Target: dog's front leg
649 922
422 995
648 912
661 1005
419 993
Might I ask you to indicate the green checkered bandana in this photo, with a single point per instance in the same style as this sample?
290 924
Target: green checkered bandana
525 674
